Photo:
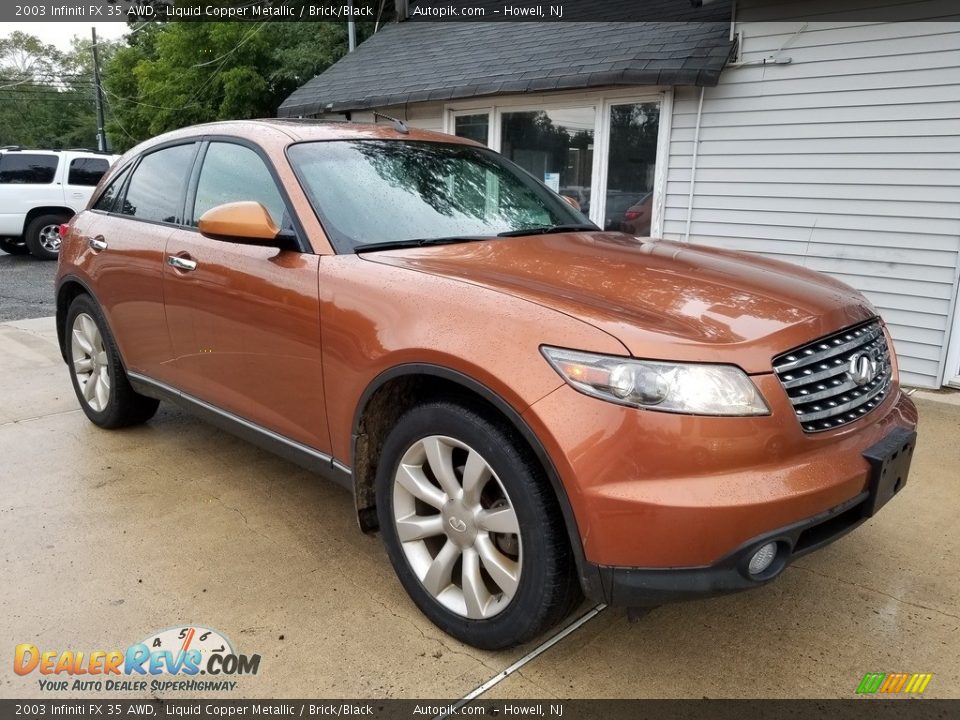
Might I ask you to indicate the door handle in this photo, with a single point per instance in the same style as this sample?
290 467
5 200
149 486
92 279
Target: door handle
97 243
180 263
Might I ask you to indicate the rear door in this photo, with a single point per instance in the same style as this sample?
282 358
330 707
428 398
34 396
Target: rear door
244 321
82 173
122 246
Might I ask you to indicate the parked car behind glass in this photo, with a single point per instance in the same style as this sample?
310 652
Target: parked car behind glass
529 408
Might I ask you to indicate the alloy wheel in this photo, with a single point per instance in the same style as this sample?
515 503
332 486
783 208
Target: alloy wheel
457 527
50 238
90 362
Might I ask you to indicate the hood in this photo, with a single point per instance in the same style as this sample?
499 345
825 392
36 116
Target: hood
661 299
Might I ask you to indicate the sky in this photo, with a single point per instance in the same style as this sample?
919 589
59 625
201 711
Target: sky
60 33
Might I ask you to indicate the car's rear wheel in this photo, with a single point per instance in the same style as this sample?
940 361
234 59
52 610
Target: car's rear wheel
14 246
43 236
472 528
99 379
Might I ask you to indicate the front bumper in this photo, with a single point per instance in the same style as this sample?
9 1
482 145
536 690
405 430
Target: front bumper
673 506
640 587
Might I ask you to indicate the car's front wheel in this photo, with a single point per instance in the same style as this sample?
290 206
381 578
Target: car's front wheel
472 527
96 370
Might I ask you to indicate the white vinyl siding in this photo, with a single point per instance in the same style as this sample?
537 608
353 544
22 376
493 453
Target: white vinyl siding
423 116
846 160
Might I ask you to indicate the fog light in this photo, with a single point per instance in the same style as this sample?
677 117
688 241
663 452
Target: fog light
762 558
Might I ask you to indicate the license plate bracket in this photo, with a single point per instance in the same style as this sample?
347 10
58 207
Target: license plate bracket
889 466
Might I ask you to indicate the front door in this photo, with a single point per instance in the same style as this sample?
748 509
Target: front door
244 321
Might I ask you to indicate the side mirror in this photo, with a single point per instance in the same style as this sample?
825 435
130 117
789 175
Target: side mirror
571 201
245 222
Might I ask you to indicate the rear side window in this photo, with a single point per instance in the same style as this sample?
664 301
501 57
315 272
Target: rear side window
86 171
232 173
156 188
23 168
108 198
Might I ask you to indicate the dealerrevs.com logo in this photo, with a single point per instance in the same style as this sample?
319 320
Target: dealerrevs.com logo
185 652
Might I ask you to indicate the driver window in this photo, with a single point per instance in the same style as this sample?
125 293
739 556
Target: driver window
233 173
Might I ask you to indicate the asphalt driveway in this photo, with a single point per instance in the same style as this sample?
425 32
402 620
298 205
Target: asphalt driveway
26 287
107 537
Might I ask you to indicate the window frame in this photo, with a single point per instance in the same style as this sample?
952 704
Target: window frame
488 111
601 100
301 241
191 206
134 165
83 159
188 194
121 189
32 153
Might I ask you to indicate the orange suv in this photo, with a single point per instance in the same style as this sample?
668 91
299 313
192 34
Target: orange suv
527 407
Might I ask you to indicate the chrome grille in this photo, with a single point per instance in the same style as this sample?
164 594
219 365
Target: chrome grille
819 377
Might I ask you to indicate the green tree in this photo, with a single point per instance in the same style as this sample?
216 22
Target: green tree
46 96
180 73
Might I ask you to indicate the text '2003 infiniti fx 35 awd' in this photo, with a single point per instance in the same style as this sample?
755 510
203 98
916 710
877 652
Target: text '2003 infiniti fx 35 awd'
529 409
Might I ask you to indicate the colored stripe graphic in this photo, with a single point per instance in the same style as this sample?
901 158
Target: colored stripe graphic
893 683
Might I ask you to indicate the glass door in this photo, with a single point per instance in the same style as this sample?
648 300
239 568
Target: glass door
631 160
555 145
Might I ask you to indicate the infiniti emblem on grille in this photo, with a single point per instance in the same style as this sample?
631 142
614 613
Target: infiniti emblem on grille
863 368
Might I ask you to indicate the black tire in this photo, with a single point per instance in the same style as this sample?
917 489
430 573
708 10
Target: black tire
547 588
33 235
124 406
14 246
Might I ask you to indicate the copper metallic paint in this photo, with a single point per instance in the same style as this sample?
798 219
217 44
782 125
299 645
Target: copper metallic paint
291 341
240 221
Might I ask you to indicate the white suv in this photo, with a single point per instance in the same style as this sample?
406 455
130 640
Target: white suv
39 190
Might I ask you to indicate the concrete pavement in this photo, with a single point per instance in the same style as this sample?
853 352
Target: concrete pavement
106 537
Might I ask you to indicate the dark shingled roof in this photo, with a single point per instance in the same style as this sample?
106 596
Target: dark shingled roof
417 61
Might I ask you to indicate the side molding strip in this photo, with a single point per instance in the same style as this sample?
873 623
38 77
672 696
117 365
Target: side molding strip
303 455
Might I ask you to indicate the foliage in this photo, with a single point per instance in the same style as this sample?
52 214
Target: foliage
161 77
182 73
46 96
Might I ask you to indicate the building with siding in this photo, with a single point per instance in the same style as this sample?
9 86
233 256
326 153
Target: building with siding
823 139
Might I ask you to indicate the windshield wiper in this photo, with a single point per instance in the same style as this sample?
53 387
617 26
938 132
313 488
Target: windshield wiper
546 229
417 242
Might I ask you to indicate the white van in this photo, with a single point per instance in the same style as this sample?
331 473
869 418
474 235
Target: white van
39 190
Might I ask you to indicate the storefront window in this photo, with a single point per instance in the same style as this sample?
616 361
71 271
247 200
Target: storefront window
475 127
555 146
631 167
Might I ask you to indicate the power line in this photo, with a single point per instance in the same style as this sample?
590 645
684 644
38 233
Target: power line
116 121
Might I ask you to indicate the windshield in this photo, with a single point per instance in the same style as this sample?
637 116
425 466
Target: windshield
389 191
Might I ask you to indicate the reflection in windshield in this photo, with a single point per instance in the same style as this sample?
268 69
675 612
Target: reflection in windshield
375 191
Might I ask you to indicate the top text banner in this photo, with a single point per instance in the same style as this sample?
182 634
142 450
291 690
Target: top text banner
384 11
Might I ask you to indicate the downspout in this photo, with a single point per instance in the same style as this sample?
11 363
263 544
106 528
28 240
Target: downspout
693 166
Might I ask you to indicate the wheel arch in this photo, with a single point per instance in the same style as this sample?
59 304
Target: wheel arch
401 387
45 210
68 289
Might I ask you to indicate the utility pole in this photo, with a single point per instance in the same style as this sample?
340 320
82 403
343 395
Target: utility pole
101 134
351 30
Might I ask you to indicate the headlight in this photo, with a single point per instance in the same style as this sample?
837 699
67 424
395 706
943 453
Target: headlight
693 388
